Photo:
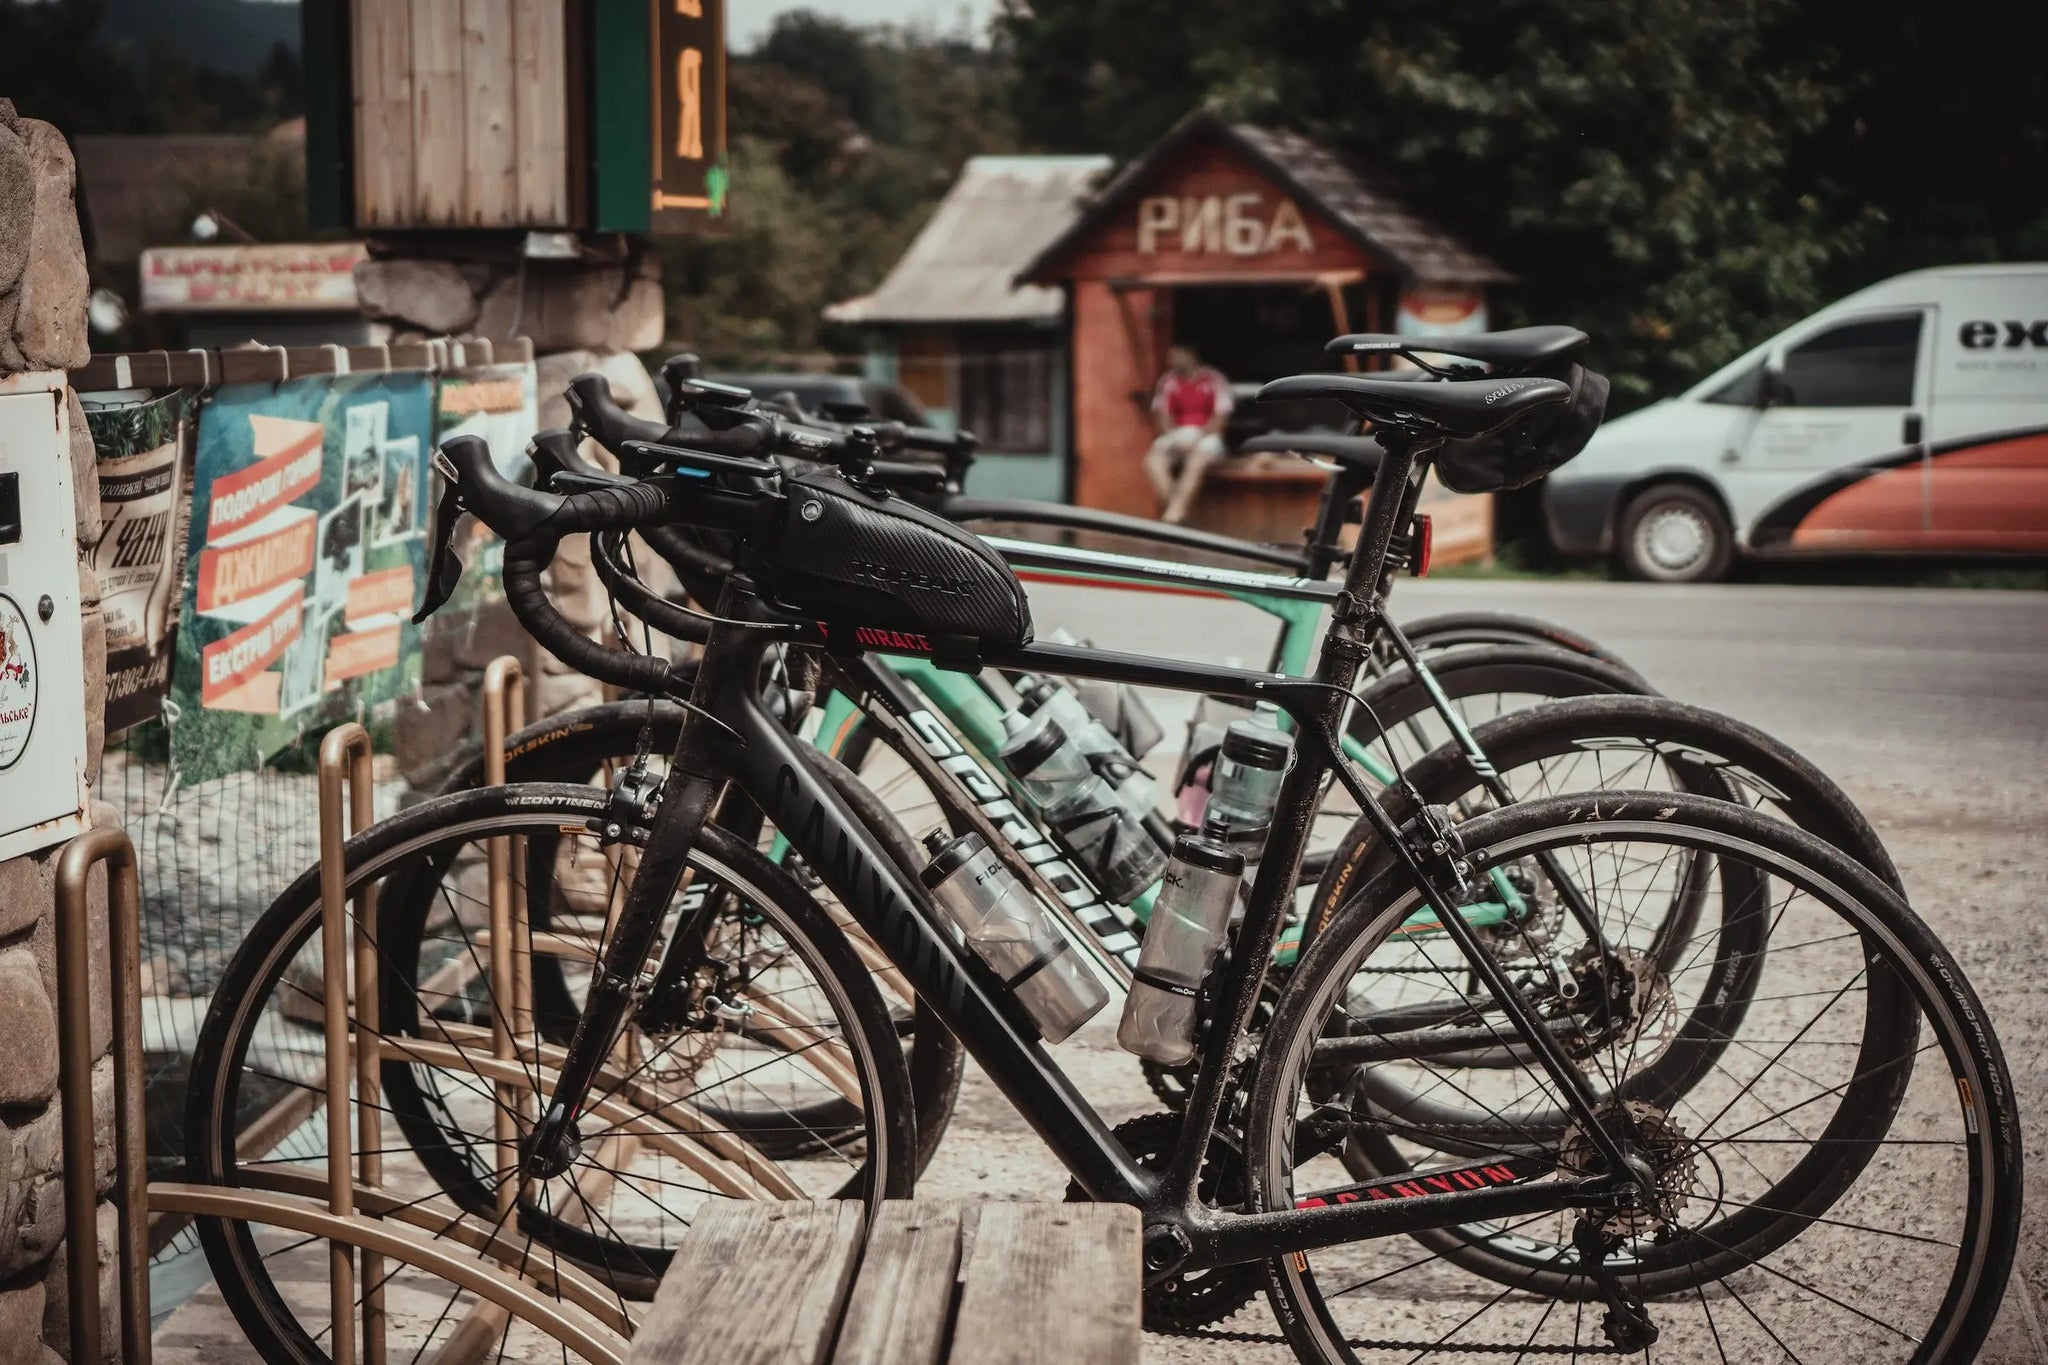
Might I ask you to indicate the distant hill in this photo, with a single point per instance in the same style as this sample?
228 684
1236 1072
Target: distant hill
229 36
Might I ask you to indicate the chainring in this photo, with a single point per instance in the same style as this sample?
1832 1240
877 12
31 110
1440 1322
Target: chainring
1197 1298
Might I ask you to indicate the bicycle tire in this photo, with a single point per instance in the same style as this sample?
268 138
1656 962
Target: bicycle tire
575 746
239 1010
1458 629
1910 978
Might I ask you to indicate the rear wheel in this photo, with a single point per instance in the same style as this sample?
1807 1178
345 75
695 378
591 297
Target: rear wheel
1675 533
1842 1186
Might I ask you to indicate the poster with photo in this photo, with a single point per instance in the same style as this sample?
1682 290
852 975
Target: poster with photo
298 608
501 404
143 444
401 511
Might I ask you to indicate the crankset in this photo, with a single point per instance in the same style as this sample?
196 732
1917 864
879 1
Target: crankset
1191 1298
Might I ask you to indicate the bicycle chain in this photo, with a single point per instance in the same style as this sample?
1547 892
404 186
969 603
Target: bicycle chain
1384 1344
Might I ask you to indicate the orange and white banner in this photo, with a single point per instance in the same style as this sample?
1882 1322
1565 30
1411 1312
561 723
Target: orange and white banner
386 592
287 467
227 664
234 573
352 653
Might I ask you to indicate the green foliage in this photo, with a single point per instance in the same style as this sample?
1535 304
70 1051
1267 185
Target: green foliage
844 139
58 63
1678 179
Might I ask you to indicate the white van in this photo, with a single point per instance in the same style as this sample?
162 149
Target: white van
1910 417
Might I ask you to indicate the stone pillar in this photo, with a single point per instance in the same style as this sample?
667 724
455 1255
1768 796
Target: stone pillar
589 314
42 327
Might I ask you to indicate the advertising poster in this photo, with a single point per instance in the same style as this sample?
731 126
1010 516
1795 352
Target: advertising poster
305 553
145 457
501 404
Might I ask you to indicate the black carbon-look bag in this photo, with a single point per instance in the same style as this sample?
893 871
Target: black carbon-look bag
1525 452
852 559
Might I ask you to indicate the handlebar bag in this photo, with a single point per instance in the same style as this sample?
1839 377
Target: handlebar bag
1531 448
853 558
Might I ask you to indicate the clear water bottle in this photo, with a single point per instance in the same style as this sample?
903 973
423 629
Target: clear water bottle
1182 940
1007 927
1244 789
1105 837
1106 754
1117 706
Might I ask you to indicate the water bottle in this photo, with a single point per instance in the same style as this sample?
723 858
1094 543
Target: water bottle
1105 753
1244 788
1182 940
1007 927
1108 841
1117 707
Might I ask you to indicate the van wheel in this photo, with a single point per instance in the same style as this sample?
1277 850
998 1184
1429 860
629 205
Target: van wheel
1675 533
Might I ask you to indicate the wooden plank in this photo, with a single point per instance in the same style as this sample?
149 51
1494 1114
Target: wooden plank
440 143
382 62
490 170
541 154
753 1284
904 1296
1051 1282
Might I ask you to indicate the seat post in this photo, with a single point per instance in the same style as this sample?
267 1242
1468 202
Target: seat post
1395 489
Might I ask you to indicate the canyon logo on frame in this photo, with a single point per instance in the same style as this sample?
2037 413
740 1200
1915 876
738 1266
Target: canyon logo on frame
303 560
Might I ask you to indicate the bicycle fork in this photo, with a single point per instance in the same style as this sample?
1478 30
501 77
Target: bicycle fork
687 799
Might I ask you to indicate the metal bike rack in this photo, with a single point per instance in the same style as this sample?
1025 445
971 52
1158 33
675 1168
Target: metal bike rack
349 1207
345 759
109 846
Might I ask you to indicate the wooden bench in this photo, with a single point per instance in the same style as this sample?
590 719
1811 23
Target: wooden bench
791 1283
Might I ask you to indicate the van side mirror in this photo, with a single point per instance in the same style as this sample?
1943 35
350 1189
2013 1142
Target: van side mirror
1772 390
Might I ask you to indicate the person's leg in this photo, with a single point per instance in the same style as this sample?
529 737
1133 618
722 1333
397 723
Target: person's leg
1205 451
1161 460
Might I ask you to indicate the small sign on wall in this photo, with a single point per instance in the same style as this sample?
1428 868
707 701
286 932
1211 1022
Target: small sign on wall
690 172
1441 310
1244 224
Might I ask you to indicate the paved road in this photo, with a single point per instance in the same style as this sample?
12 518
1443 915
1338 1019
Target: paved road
1929 707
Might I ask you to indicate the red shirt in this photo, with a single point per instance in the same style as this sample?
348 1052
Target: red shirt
1192 400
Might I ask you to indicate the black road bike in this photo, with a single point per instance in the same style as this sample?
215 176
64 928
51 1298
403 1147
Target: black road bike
1761 1162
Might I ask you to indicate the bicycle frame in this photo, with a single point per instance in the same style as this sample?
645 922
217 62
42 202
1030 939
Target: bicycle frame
731 737
1298 603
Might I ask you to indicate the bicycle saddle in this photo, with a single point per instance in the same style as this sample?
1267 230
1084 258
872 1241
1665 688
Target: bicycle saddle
1515 347
1464 407
1359 452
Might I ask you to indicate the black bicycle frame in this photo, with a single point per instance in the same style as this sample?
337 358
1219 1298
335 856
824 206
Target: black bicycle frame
731 735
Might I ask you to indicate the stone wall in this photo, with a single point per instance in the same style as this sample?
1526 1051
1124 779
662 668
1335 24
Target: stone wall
589 314
43 292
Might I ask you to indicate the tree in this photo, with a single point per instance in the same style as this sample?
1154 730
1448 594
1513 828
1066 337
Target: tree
1629 160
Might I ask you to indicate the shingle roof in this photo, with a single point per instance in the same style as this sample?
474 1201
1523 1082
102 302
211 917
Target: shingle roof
962 266
1358 203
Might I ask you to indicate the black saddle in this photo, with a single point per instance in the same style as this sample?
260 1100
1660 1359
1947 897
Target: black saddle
1507 351
1455 408
1360 452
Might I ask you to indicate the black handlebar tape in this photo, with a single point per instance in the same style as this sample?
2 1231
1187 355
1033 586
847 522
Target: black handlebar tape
590 396
524 561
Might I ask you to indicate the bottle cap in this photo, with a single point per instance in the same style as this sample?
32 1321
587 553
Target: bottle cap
1033 747
949 855
1197 851
1256 745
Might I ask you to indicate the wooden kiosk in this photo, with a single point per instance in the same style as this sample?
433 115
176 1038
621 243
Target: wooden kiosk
1255 245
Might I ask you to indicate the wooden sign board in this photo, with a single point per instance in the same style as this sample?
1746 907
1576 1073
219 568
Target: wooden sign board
689 173
586 115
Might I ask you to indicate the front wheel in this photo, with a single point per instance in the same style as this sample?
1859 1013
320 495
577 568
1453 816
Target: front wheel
783 1017
1843 1185
1675 533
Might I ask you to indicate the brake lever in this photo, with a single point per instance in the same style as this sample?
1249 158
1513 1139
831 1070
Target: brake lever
444 566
